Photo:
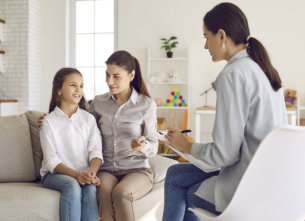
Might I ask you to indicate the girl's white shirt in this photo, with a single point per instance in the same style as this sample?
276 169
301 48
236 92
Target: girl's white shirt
73 141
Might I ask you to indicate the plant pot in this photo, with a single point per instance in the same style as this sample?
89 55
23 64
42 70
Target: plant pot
169 54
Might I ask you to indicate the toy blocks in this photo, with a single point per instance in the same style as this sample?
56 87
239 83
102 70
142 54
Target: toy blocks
175 99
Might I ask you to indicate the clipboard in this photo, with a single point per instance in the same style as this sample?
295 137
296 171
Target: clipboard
198 163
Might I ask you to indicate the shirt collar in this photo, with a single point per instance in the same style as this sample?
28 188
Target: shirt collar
59 112
133 97
241 54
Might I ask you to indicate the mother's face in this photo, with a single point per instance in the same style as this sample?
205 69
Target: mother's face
118 79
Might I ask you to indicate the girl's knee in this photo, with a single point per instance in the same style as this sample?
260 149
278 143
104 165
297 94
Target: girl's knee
72 187
90 189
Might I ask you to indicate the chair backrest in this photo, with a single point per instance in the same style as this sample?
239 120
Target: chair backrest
273 186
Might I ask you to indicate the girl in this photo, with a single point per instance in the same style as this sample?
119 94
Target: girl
127 119
70 140
249 104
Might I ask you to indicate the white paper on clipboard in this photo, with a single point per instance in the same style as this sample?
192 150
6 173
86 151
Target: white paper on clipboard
198 163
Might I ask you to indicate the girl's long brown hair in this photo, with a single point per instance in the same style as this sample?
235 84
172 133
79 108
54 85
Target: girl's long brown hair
58 81
233 21
125 60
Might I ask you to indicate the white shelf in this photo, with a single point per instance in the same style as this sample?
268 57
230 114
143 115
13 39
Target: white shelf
169 83
301 108
168 59
173 108
160 72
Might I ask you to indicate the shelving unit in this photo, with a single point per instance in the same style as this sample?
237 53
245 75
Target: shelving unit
300 108
159 86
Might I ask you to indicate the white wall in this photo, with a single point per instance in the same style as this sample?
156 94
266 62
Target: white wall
14 80
34 54
54 46
278 24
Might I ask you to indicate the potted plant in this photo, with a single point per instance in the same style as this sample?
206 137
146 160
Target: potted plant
168 45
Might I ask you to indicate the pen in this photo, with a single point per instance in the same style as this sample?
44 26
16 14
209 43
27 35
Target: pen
182 131
185 131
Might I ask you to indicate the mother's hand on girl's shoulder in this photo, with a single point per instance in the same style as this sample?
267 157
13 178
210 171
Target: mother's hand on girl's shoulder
40 120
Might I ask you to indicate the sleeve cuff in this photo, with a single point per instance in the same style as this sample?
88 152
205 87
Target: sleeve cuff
96 155
148 150
52 164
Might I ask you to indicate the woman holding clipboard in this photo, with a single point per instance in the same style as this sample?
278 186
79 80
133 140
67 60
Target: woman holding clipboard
250 103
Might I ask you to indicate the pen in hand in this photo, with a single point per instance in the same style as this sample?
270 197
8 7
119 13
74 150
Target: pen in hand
185 131
182 131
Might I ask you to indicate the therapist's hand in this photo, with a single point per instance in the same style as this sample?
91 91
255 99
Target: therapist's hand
138 144
177 140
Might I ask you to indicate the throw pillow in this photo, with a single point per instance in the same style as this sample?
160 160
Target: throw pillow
32 117
16 158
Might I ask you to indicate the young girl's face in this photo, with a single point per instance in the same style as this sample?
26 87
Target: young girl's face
118 79
72 89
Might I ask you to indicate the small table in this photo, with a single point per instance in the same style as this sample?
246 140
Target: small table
291 115
198 112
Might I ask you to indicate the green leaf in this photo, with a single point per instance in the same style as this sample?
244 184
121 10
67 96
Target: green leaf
167 45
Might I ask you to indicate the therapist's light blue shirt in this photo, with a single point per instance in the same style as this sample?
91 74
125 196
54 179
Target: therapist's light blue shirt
247 108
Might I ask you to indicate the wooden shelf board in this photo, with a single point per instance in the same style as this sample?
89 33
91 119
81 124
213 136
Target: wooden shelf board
172 108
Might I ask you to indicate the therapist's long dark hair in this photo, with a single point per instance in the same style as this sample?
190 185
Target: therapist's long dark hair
233 21
125 60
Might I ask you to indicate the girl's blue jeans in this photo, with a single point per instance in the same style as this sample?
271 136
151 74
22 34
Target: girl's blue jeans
77 202
181 183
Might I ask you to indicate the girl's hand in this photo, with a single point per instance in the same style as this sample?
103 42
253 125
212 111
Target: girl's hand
138 144
96 181
84 178
177 140
40 120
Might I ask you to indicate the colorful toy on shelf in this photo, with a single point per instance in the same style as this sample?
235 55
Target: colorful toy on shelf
175 99
290 97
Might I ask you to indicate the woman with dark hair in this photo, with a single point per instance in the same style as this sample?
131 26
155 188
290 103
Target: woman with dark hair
127 119
72 149
249 104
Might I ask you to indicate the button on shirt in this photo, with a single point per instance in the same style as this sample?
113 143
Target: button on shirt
247 108
119 125
73 141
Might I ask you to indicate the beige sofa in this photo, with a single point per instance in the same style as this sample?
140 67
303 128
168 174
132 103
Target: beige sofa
22 196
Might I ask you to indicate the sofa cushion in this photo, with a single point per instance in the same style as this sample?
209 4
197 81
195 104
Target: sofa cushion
150 207
16 158
32 117
28 202
159 165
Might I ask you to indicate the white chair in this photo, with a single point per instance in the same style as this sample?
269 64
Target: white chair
273 186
